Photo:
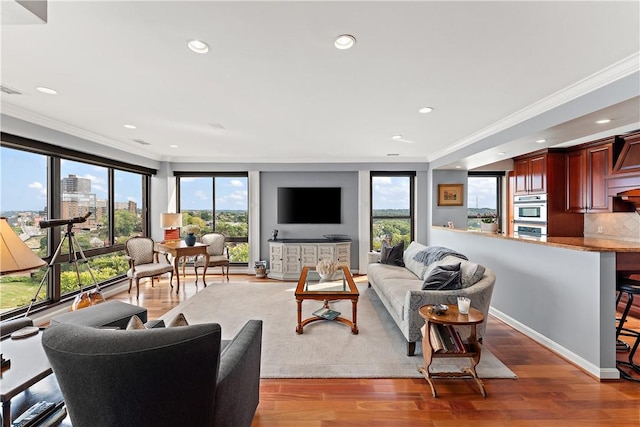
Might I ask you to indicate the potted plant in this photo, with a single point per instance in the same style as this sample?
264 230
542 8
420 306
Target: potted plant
489 225
190 230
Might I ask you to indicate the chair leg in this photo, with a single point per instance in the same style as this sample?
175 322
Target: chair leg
138 287
130 283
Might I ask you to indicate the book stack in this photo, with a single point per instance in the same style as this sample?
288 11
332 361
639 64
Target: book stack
445 339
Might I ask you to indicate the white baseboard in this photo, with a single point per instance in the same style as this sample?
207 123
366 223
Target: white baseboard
590 368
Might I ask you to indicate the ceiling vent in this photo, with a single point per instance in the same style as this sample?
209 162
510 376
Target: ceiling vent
9 91
141 141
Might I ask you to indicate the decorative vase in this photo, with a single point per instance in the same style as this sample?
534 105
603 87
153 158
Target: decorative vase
489 227
325 269
190 239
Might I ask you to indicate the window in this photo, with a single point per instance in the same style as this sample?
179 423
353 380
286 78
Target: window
392 208
45 182
483 198
218 203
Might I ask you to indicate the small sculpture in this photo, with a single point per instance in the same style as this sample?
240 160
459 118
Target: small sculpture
326 268
274 234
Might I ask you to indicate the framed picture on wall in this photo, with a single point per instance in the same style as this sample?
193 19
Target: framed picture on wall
450 194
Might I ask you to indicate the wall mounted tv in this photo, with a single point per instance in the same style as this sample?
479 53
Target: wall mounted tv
309 205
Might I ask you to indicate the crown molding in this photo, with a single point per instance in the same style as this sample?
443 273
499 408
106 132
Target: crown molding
57 125
602 78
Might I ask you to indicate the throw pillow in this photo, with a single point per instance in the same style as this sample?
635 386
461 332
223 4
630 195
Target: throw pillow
443 277
135 323
415 267
471 272
179 320
392 255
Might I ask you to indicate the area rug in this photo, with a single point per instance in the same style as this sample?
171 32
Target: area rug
326 349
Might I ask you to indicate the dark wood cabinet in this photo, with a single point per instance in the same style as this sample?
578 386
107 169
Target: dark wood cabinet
586 171
530 175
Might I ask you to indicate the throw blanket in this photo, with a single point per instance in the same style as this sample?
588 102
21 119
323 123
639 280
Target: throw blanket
435 253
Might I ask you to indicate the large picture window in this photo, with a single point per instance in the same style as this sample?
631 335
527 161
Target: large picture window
218 203
46 182
392 212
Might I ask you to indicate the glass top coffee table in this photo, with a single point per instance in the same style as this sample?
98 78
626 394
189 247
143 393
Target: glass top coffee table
339 287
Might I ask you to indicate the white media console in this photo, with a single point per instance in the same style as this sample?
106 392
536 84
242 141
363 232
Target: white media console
288 256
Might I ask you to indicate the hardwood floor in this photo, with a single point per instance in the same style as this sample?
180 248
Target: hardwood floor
549 391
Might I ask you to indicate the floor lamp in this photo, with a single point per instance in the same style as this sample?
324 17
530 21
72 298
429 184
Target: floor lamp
16 257
171 222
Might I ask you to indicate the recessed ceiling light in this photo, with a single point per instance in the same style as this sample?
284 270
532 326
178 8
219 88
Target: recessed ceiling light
603 121
540 141
198 46
393 154
458 167
130 126
501 153
344 41
425 110
396 137
47 90
173 146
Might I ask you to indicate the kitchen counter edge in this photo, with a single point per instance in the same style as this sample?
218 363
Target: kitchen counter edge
575 243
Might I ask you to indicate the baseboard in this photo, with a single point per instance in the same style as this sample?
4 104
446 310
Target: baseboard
580 362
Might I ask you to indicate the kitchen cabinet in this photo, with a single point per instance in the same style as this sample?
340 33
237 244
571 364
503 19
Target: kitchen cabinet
288 256
545 172
530 175
587 168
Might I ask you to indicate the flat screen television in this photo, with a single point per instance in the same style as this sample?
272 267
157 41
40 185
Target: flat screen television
309 205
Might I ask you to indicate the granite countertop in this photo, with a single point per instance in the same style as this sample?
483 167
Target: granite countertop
575 243
316 240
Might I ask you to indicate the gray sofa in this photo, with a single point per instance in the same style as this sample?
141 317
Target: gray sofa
400 290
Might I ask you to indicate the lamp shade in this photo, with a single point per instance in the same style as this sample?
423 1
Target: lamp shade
171 220
15 256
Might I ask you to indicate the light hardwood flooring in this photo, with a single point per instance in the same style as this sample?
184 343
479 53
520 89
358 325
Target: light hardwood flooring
549 391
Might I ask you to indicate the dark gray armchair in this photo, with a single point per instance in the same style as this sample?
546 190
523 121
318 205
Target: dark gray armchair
156 377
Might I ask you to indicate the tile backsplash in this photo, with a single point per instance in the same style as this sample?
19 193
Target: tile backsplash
618 226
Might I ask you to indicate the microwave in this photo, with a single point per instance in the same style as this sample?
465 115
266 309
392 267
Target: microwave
530 208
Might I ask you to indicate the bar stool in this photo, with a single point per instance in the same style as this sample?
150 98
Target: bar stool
629 287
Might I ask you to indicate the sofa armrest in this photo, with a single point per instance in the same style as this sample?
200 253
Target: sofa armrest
479 293
238 389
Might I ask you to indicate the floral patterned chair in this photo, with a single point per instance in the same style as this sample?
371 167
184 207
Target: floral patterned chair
218 254
143 262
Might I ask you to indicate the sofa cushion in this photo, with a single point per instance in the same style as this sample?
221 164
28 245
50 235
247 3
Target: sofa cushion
416 267
392 255
470 272
443 277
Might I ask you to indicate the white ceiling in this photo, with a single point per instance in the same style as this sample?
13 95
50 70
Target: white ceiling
274 89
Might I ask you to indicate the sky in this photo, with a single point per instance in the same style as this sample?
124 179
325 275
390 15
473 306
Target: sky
23 182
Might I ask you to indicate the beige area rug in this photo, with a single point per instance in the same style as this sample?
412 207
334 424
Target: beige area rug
326 349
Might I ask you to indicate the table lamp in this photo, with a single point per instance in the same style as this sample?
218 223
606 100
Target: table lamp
16 257
171 222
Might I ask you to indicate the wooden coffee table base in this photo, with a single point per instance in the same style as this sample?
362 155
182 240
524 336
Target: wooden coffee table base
353 325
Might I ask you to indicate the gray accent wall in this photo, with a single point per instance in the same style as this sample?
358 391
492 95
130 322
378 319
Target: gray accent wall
269 183
442 214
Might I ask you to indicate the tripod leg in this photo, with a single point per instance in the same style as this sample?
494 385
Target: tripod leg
46 274
85 261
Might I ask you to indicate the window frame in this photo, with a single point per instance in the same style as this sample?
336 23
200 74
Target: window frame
213 175
499 176
411 217
54 156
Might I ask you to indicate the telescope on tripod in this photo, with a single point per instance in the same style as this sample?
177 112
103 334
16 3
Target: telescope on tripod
83 299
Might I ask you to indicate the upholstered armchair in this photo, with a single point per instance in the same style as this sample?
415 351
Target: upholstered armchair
218 253
144 261
156 377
